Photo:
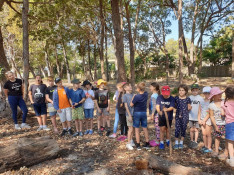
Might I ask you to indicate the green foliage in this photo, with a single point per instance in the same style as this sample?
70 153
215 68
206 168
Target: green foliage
174 91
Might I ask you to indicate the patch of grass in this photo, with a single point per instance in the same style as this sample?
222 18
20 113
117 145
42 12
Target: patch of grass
230 81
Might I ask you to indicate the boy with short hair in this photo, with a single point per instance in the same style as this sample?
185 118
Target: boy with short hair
140 116
193 115
88 106
165 104
102 102
62 105
77 97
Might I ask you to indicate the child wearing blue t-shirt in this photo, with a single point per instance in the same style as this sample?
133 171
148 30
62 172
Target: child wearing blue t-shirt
165 103
154 88
139 116
77 98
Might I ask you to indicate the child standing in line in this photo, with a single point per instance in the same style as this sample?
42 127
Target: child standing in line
77 98
62 105
102 102
228 107
140 116
216 117
88 106
122 116
154 88
183 106
127 99
193 115
165 103
115 98
205 122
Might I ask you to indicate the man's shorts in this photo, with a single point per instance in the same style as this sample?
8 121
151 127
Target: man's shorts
88 113
140 119
65 115
40 109
194 124
78 113
104 112
52 111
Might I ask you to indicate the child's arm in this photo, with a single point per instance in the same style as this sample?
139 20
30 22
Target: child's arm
30 97
189 107
158 110
132 104
108 108
154 108
211 112
96 103
48 99
168 109
129 114
199 116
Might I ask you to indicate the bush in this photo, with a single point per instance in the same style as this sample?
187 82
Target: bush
175 91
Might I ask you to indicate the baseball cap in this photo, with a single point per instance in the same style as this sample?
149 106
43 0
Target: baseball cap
165 90
57 80
75 81
195 86
206 89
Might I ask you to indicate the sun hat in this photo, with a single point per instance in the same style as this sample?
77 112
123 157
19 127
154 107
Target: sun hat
75 81
101 81
86 82
215 91
165 90
206 89
57 80
195 86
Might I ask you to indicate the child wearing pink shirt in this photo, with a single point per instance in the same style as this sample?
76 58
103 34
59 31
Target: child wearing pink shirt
228 107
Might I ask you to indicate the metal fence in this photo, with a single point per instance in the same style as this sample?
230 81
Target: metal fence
217 71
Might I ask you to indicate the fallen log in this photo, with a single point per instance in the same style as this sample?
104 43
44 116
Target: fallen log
26 152
156 162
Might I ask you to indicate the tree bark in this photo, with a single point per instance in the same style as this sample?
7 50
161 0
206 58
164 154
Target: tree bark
27 152
119 40
95 62
131 46
89 62
66 63
233 58
136 23
25 47
106 56
57 62
32 71
47 60
180 41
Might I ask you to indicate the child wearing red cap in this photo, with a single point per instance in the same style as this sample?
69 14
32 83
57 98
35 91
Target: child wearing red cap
165 103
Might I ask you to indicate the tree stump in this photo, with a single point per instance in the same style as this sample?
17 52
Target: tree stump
26 152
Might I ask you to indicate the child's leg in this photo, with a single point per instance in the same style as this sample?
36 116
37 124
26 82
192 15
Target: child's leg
125 125
177 129
204 135
130 131
13 104
53 120
116 121
99 121
68 124
39 120
192 133
217 142
44 117
146 134
77 125
209 138
196 134
157 128
137 132
121 118
107 121
91 124
230 149
24 109
81 125
64 124
162 132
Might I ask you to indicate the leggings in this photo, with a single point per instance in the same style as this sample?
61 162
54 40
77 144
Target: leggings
123 124
157 128
181 126
15 101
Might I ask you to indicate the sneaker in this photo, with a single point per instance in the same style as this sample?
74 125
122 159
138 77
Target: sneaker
25 125
132 143
81 133
146 145
207 150
17 127
230 162
102 128
194 145
100 133
45 128
108 133
129 146
112 135
161 146
86 132
203 148
181 146
40 128
64 132
76 134
176 146
90 132
168 143
138 146
70 131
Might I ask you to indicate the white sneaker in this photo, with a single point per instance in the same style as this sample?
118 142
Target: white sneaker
25 125
129 146
230 162
132 143
45 128
17 127
40 128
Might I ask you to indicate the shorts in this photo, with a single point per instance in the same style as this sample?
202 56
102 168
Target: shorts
65 115
229 131
40 109
52 111
194 124
221 133
88 113
103 112
163 122
140 118
208 122
128 122
78 113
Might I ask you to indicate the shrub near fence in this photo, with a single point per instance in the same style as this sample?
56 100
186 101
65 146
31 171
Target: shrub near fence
216 71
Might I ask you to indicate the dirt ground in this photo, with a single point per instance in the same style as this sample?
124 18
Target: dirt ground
94 154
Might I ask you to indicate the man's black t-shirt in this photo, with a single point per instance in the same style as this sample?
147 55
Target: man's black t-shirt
14 88
50 91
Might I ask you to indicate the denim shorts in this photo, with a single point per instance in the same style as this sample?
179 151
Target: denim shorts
40 109
230 131
88 113
140 119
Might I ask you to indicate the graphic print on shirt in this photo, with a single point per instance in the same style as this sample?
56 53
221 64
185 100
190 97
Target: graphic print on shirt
195 102
38 93
16 86
103 98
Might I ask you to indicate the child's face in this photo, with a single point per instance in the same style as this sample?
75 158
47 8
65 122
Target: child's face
87 86
51 83
152 89
217 97
195 92
38 79
128 88
76 86
206 95
182 92
60 84
102 86
166 96
120 89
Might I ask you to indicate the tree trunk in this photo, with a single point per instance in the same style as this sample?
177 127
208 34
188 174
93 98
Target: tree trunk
89 63
131 46
136 22
106 56
102 40
200 53
32 71
42 71
66 63
119 40
47 60
180 41
25 47
57 61
26 152
95 62
233 58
